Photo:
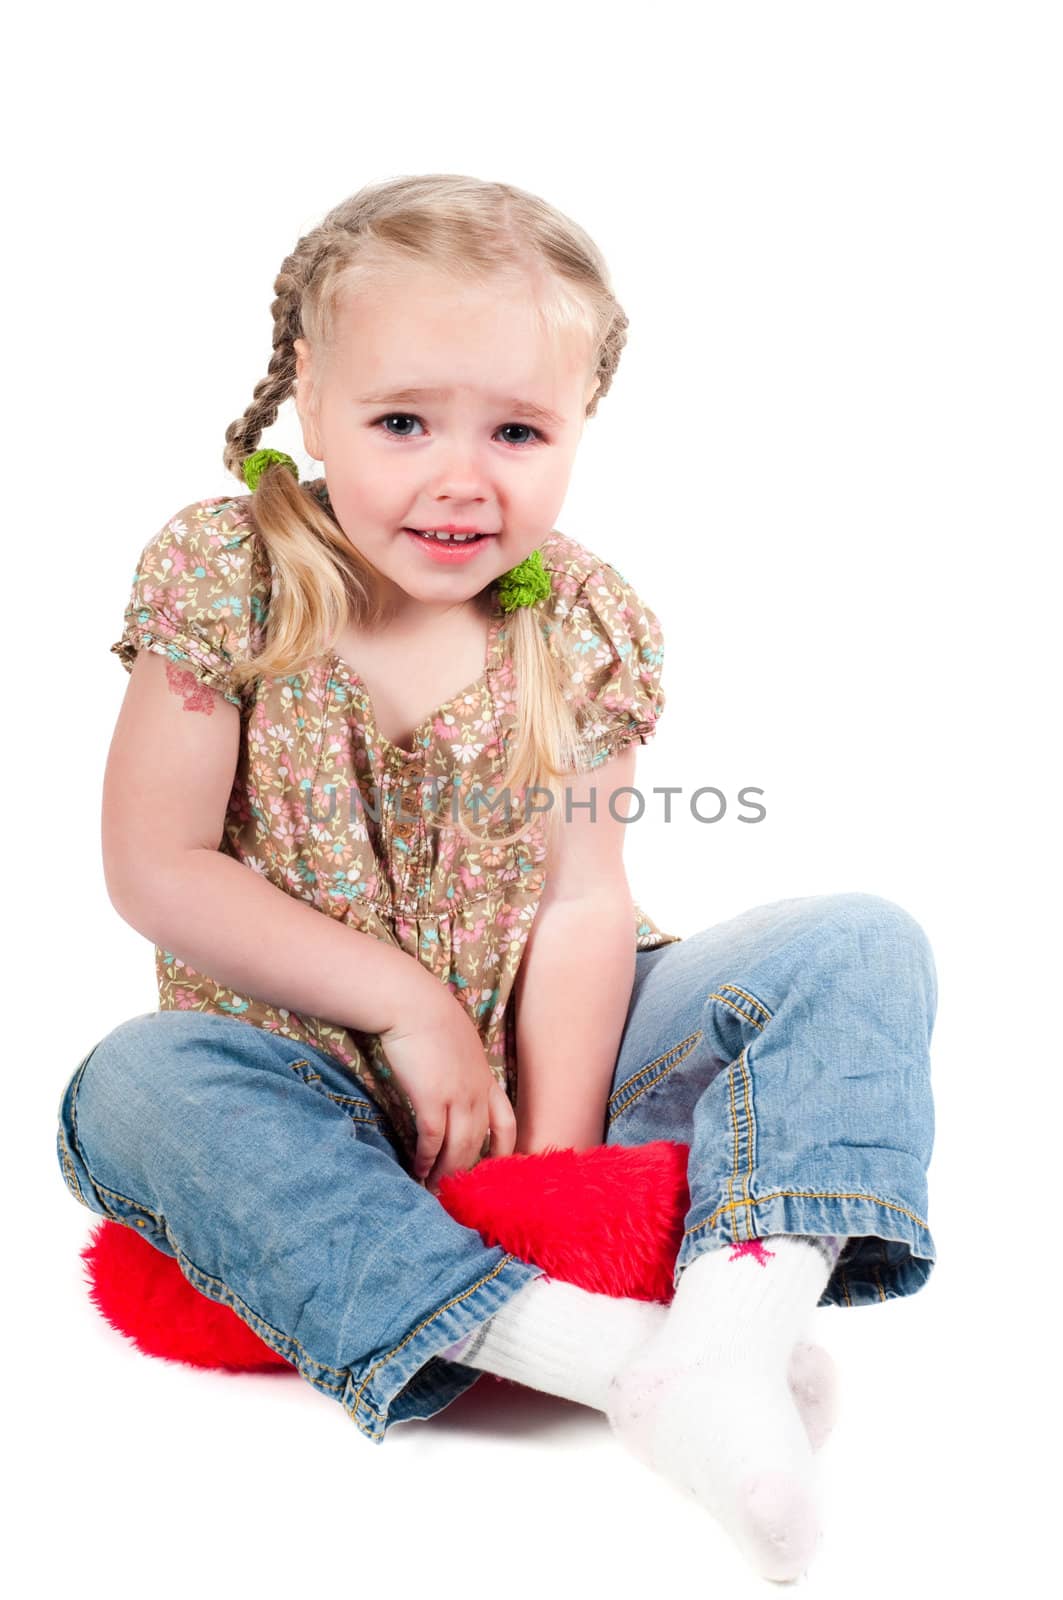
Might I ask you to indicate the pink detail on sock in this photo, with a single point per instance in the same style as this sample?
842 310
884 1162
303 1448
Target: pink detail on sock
751 1247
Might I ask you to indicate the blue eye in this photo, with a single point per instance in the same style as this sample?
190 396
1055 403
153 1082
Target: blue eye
391 417
527 427
407 416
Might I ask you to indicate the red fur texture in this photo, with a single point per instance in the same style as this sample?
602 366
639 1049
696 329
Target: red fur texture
608 1219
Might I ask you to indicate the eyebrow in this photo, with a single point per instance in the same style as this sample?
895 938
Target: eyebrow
527 408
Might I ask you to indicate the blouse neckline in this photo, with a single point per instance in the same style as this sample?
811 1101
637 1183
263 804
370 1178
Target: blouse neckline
492 661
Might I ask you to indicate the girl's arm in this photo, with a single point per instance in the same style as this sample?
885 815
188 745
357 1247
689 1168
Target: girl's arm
572 993
574 982
169 774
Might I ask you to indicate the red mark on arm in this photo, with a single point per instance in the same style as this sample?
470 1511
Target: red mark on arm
196 695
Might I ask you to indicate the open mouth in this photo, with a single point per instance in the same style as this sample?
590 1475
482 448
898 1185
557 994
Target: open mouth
449 539
448 551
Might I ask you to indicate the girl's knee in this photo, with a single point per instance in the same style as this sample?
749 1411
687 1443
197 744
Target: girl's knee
140 1071
874 916
884 933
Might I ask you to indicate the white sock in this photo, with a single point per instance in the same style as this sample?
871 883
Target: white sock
527 1347
554 1336
708 1401
812 1376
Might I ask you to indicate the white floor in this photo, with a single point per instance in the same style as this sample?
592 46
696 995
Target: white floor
139 1476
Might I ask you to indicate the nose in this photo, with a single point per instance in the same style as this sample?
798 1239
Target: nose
458 473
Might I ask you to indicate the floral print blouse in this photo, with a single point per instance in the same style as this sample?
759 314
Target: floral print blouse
327 809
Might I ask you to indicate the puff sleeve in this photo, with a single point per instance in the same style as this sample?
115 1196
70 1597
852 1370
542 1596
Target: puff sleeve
616 645
198 595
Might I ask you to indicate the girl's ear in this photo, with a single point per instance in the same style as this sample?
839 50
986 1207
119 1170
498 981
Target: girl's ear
307 420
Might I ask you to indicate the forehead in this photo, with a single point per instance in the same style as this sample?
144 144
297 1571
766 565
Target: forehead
421 336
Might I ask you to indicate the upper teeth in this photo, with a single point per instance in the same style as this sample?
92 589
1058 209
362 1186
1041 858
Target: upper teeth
435 533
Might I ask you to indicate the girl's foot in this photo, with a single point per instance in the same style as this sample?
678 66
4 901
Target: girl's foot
713 1402
733 1438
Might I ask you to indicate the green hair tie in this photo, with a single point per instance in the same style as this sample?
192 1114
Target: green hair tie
261 460
524 584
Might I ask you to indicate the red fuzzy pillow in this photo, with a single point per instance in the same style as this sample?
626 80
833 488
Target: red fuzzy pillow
608 1219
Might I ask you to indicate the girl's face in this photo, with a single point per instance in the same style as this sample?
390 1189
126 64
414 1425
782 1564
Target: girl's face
488 442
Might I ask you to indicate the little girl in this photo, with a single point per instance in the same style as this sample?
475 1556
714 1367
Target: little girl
371 974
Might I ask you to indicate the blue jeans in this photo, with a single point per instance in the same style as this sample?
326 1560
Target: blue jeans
788 1046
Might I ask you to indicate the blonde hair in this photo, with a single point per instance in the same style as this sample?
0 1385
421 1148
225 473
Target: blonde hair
474 230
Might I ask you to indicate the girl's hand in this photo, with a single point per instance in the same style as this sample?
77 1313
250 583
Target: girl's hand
440 1063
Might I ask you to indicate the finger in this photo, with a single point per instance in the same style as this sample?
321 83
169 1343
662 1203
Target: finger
431 1132
503 1120
461 1147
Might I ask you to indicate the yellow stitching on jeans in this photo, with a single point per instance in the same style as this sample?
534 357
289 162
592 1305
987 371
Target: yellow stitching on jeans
370 1433
313 1076
69 1170
257 1323
458 1298
350 1099
746 996
748 1203
247 1315
808 1194
251 1316
74 1086
340 1099
690 1041
734 1125
743 1067
845 1288
731 1006
343 1100
116 1194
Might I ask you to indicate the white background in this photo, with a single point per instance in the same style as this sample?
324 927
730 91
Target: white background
830 461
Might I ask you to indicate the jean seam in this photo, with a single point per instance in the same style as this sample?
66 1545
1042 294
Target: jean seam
457 1299
69 1170
373 1119
271 1336
738 1067
689 1043
252 1318
76 1141
746 1204
819 1194
745 995
737 1009
685 1045
274 1337
806 1194
116 1194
